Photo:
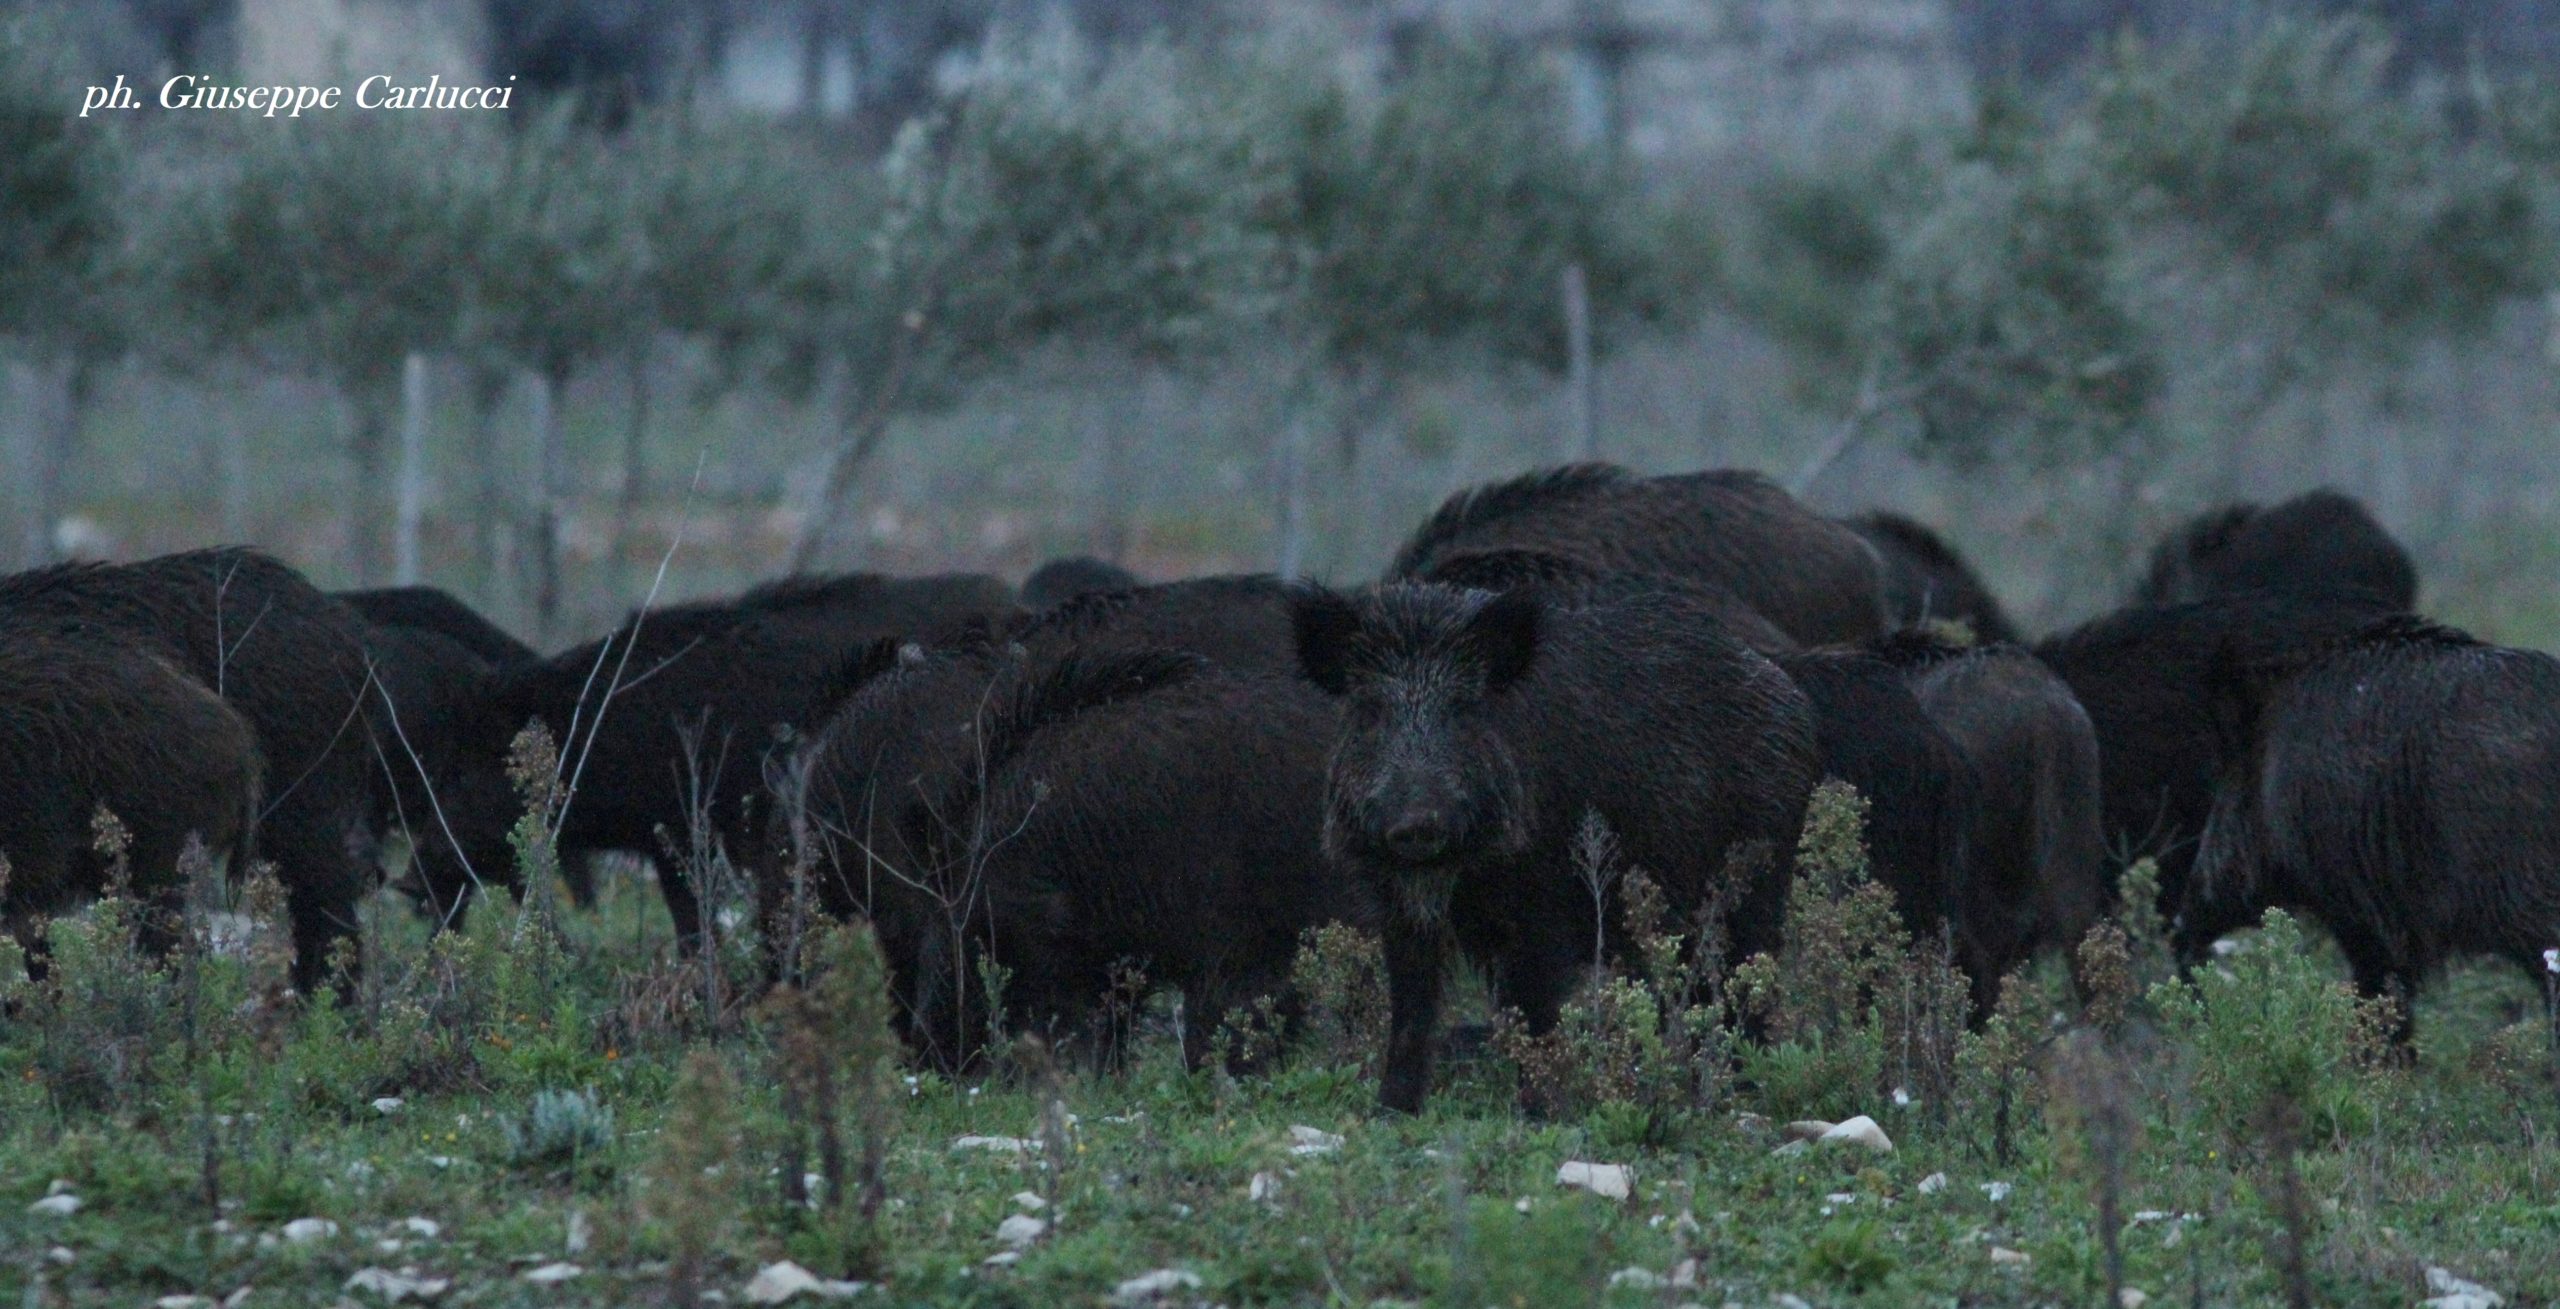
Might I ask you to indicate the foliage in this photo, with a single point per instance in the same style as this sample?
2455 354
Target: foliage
62 180
1443 212
2269 1026
559 1130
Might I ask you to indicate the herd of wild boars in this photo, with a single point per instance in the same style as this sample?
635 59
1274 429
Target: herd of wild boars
1096 779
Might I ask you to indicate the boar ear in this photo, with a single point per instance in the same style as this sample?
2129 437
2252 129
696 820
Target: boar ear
1504 633
1324 622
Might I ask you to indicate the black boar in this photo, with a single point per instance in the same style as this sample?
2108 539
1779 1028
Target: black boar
1925 580
87 724
2035 868
1871 732
1124 810
1818 581
2316 542
2402 789
2146 678
914 716
291 661
1060 580
428 609
673 723
1477 732
1506 569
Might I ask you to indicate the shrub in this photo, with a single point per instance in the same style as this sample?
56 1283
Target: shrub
565 1131
2268 1026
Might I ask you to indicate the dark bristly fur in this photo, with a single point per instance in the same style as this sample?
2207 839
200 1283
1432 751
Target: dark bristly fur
291 662
1925 580
710 696
1060 580
917 720
1815 579
1142 810
429 609
1922 800
1510 568
2320 541
2146 677
2401 788
2035 868
1477 731
88 724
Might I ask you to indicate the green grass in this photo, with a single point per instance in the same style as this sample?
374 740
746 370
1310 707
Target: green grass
2454 1166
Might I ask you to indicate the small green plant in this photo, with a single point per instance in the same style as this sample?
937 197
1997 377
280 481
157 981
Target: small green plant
1849 1255
835 1058
2269 1026
561 1131
1340 976
1851 1006
688 1198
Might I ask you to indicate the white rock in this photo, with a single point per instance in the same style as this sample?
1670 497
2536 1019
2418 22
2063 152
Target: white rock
1642 1279
580 1233
441 1160
1028 1202
1263 1187
2453 1292
183 1302
388 1105
390 1245
1792 1148
1862 1132
1521 1205
775 1283
1151 1287
1002 1259
552 1274
60 1206
1313 1140
2003 1255
308 1229
1806 1129
60 1255
997 1144
1609 1181
237 1298
1684 1274
2132 1297
1933 1183
1792 1302
426 1227
1020 1230
1901 1098
1997 1191
1842 1197
395 1287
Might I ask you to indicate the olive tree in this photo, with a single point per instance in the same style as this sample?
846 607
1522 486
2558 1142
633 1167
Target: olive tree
340 244
1060 196
68 282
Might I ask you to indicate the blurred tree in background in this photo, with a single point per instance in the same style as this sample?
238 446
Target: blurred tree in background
2155 249
66 273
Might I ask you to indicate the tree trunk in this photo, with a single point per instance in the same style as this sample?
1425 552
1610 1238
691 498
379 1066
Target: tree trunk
65 383
1296 435
368 446
635 450
1111 534
1582 388
865 427
552 454
815 26
413 468
493 513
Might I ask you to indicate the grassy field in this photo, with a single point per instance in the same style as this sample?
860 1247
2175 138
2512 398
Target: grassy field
490 1111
